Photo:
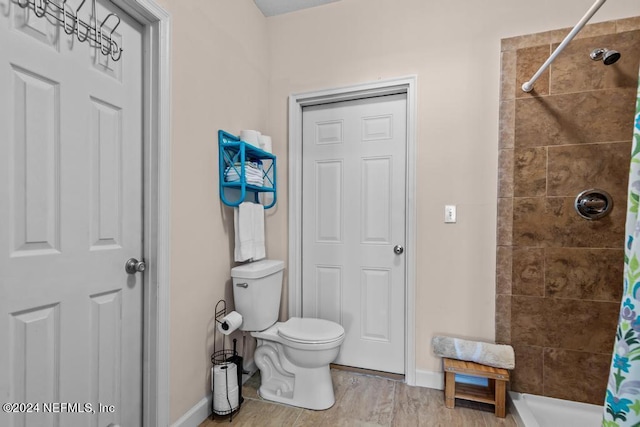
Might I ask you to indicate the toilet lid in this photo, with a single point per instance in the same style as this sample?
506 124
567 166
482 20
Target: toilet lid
310 330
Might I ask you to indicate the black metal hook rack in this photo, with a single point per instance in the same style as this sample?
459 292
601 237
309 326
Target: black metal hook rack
99 36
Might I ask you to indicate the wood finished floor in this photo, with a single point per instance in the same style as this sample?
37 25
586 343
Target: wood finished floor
365 401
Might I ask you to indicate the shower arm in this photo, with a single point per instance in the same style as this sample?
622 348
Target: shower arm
528 86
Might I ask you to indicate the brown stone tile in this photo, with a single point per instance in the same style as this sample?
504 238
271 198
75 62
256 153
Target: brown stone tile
530 172
597 29
507 75
505 173
509 43
576 376
530 221
528 271
527 40
575 168
571 118
527 375
574 324
553 222
528 321
505 221
628 24
503 270
528 62
575 71
585 274
503 319
571 230
555 37
507 124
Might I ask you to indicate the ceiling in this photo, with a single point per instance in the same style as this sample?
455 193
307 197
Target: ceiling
279 7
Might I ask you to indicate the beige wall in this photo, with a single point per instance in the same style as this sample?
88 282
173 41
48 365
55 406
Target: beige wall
220 81
233 69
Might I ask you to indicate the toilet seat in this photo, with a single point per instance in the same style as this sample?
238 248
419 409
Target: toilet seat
310 331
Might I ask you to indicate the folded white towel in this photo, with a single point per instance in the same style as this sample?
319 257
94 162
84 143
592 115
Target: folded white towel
233 173
249 232
248 171
233 176
255 182
249 180
496 355
252 173
248 167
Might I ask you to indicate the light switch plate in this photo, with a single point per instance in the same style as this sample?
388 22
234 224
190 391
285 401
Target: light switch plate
450 213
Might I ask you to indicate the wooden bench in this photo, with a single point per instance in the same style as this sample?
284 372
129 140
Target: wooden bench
494 393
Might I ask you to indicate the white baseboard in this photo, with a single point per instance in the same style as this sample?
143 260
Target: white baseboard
196 415
430 379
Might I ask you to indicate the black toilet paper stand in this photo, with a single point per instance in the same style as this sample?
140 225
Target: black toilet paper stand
225 356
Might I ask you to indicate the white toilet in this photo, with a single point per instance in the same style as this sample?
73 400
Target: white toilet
293 356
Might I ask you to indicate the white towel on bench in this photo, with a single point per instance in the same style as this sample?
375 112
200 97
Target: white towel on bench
496 355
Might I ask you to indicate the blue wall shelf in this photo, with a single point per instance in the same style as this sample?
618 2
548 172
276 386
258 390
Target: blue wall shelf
233 156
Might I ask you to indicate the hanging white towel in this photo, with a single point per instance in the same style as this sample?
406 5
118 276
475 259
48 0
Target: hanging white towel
259 250
243 225
249 232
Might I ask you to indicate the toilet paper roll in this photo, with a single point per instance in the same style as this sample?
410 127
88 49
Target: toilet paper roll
251 136
225 403
226 393
230 323
225 377
265 143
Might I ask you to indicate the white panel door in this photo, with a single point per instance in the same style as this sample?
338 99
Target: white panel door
353 208
70 216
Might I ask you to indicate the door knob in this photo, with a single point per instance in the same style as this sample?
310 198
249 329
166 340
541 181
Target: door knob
398 249
132 266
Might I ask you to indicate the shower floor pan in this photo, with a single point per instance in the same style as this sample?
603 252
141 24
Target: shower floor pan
530 410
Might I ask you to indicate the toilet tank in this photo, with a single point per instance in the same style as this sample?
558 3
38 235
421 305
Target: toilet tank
257 287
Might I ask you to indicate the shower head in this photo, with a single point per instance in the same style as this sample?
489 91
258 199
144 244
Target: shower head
610 57
605 55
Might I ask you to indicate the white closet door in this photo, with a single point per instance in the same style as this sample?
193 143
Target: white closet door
353 205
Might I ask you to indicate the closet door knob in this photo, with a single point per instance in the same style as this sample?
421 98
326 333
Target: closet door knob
398 249
132 266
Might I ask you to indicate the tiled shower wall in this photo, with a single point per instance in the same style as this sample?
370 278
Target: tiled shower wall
559 276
